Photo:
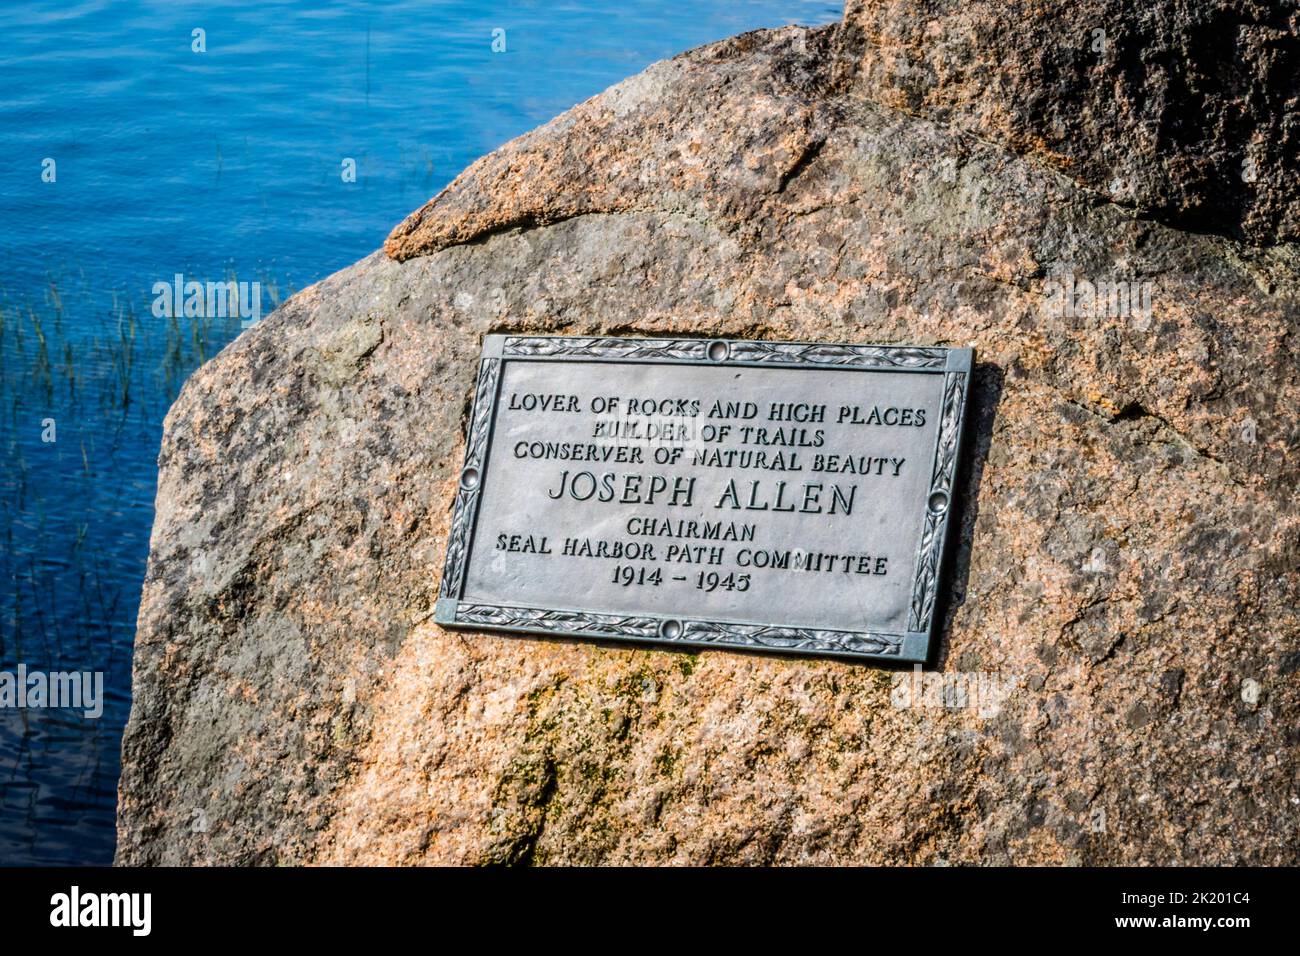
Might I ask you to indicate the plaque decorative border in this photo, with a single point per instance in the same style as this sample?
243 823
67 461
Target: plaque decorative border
740 351
674 630
467 493
913 645
925 586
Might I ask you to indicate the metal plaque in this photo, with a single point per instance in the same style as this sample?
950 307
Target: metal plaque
765 495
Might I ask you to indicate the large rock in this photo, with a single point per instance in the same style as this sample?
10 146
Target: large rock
1129 535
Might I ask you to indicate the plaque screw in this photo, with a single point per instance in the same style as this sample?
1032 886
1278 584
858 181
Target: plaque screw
670 630
719 350
469 479
938 503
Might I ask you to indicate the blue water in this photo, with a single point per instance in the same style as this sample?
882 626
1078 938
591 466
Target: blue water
217 165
